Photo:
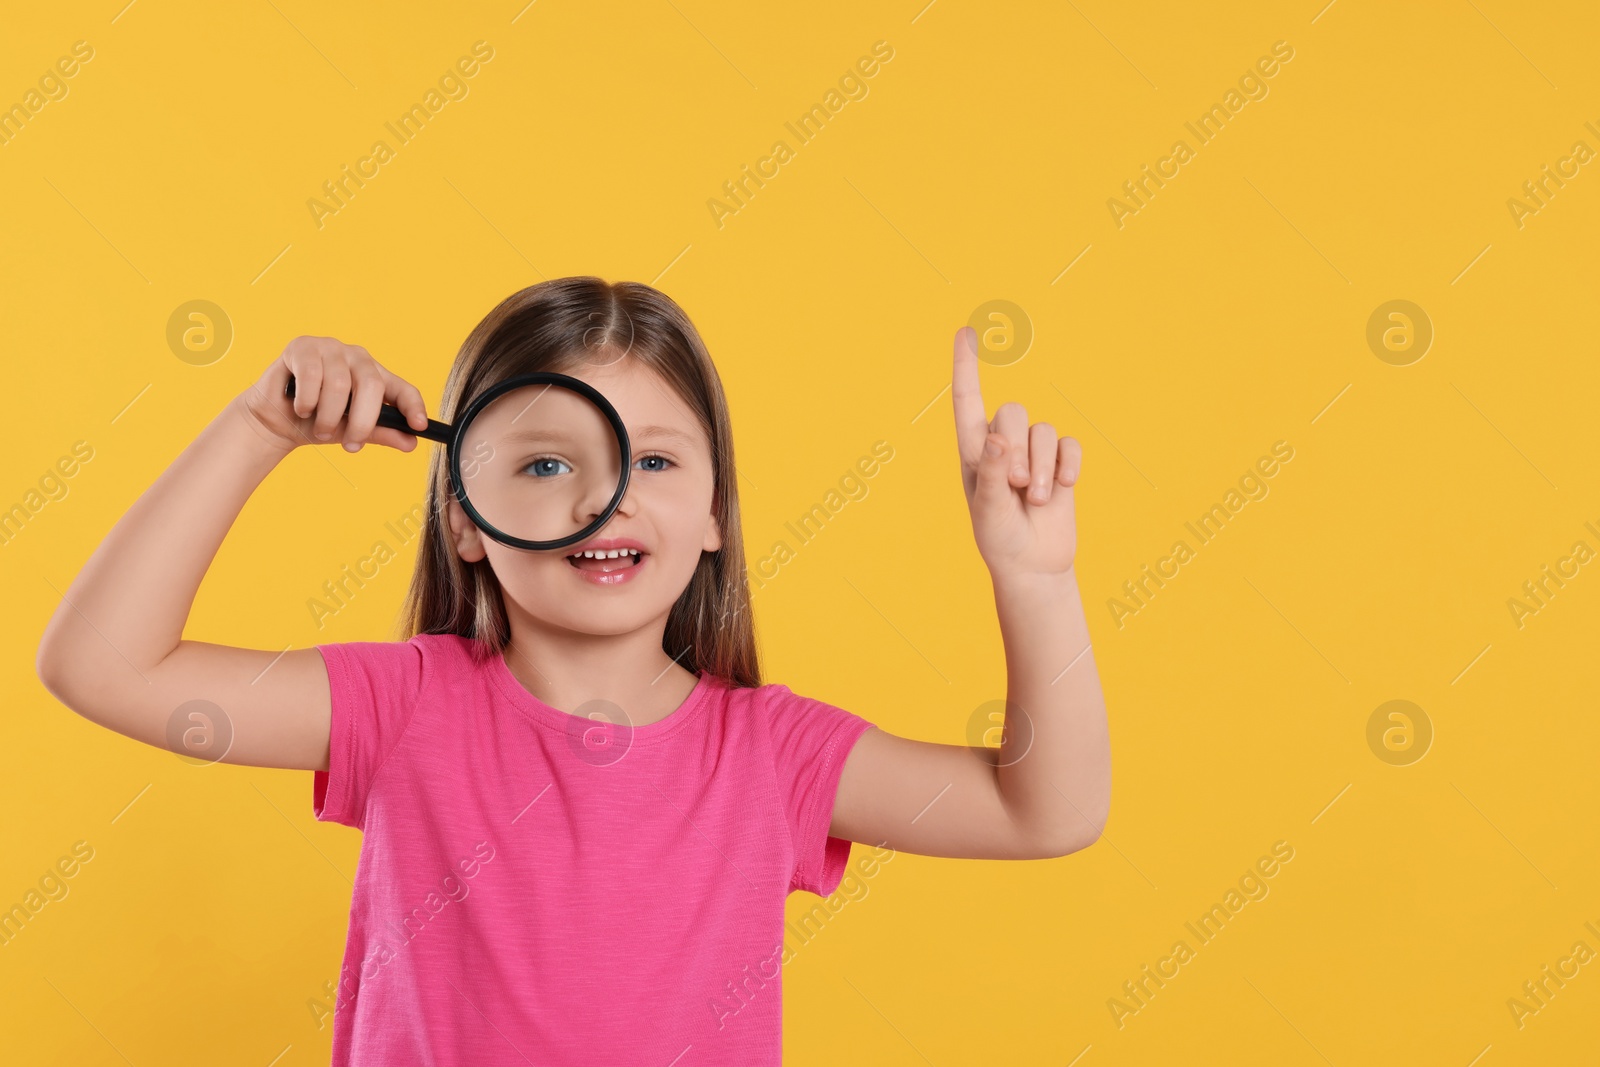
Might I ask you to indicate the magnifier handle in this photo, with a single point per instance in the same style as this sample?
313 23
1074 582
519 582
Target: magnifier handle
395 419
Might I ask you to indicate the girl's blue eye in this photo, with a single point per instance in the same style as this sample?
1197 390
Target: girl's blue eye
541 468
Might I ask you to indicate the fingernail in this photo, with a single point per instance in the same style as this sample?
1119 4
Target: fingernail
991 448
1020 471
323 435
349 447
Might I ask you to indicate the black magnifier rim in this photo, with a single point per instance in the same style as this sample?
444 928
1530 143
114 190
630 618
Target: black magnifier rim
483 399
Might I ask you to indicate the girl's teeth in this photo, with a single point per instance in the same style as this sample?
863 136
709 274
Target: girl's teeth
606 561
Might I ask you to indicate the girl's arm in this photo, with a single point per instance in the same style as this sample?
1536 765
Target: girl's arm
114 650
1046 791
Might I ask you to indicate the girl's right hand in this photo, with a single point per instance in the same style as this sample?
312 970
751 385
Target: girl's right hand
328 377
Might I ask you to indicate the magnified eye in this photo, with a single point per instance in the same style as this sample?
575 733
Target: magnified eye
541 466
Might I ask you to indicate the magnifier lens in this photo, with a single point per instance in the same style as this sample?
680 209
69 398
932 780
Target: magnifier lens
540 462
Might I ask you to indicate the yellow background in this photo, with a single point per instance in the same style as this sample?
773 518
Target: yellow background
1226 315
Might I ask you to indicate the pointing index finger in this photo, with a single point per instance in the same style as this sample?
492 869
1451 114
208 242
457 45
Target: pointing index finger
972 425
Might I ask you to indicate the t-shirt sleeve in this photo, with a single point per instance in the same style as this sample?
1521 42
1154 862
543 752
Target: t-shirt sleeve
810 740
373 687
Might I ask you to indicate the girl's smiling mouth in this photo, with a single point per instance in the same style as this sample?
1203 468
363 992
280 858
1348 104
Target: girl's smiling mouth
607 566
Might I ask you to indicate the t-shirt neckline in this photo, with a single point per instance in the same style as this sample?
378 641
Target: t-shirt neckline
563 721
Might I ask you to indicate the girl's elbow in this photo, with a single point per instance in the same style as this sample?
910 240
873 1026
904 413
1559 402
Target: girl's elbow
53 672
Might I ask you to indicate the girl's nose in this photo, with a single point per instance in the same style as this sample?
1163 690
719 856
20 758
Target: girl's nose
629 502
594 500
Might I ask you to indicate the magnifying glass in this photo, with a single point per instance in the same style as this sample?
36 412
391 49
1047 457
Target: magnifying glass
531 458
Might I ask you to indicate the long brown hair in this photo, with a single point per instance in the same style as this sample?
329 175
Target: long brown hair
555 326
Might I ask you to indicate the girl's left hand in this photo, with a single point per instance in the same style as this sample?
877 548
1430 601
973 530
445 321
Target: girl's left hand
1021 497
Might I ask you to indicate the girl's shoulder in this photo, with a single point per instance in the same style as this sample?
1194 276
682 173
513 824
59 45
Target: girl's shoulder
795 719
404 667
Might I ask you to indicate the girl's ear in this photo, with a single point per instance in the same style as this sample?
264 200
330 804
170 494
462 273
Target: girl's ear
464 533
713 538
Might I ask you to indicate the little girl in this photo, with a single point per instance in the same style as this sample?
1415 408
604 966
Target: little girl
581 808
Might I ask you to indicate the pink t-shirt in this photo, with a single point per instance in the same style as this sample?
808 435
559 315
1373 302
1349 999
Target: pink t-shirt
539 887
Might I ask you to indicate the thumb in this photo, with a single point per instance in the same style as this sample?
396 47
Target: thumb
994 484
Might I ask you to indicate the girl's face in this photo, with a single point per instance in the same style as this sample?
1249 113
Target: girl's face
667 510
